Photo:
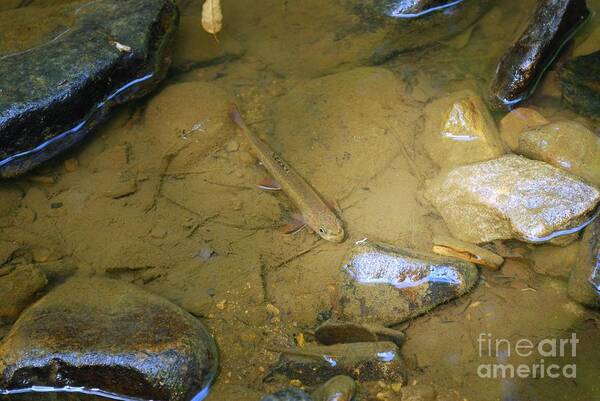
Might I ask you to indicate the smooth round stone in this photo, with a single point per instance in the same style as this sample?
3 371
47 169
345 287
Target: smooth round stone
110 336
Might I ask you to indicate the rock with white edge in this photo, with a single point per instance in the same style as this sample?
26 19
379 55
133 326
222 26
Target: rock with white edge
459 129
512 198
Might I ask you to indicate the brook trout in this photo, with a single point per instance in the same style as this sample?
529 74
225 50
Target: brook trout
315 212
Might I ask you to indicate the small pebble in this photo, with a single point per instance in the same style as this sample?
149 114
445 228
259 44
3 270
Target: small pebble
221 304
272 310
56 205
71 165
232 146
40 255
295 383
158 233
246 158
206 252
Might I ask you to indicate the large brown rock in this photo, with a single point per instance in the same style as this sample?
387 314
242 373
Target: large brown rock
18 289
111 336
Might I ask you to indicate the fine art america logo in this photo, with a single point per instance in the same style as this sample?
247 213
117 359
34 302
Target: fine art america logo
550 348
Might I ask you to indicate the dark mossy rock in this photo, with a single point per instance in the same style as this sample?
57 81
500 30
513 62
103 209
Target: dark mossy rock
580 82
584 282
59 82
387 285
552 25
108 335
314 364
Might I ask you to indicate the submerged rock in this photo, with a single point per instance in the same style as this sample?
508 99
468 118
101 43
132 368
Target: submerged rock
388 285
361 361
522 66
580 82
338 388
413 8
57 90
288 394
415 23
512 198
330 333
193 47
418 392
584 282
459 130
18 289
111 336
341 34
565 144
517 121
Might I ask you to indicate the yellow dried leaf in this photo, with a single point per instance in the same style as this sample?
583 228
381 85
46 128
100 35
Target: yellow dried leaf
212 18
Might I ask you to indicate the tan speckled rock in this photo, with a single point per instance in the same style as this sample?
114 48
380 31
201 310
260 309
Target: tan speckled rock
460 130
566 144
517 121
512 198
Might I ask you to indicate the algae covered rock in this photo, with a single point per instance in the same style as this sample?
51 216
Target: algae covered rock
387 285
580 82
512 198
565 144
66 81
460 130
108 335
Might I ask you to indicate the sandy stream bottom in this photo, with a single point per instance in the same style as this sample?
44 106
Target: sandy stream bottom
164 196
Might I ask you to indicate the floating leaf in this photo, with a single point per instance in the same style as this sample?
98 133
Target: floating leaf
212 18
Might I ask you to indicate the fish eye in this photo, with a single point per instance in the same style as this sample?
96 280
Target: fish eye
322 230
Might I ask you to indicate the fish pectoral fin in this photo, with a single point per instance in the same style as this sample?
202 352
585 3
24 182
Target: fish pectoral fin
294 225
269 184
334 205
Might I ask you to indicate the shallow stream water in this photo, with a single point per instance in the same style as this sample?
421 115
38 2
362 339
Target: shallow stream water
163 195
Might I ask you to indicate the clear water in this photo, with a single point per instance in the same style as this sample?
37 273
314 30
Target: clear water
164 196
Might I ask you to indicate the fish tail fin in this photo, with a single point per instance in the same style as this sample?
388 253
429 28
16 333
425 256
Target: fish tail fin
235 116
